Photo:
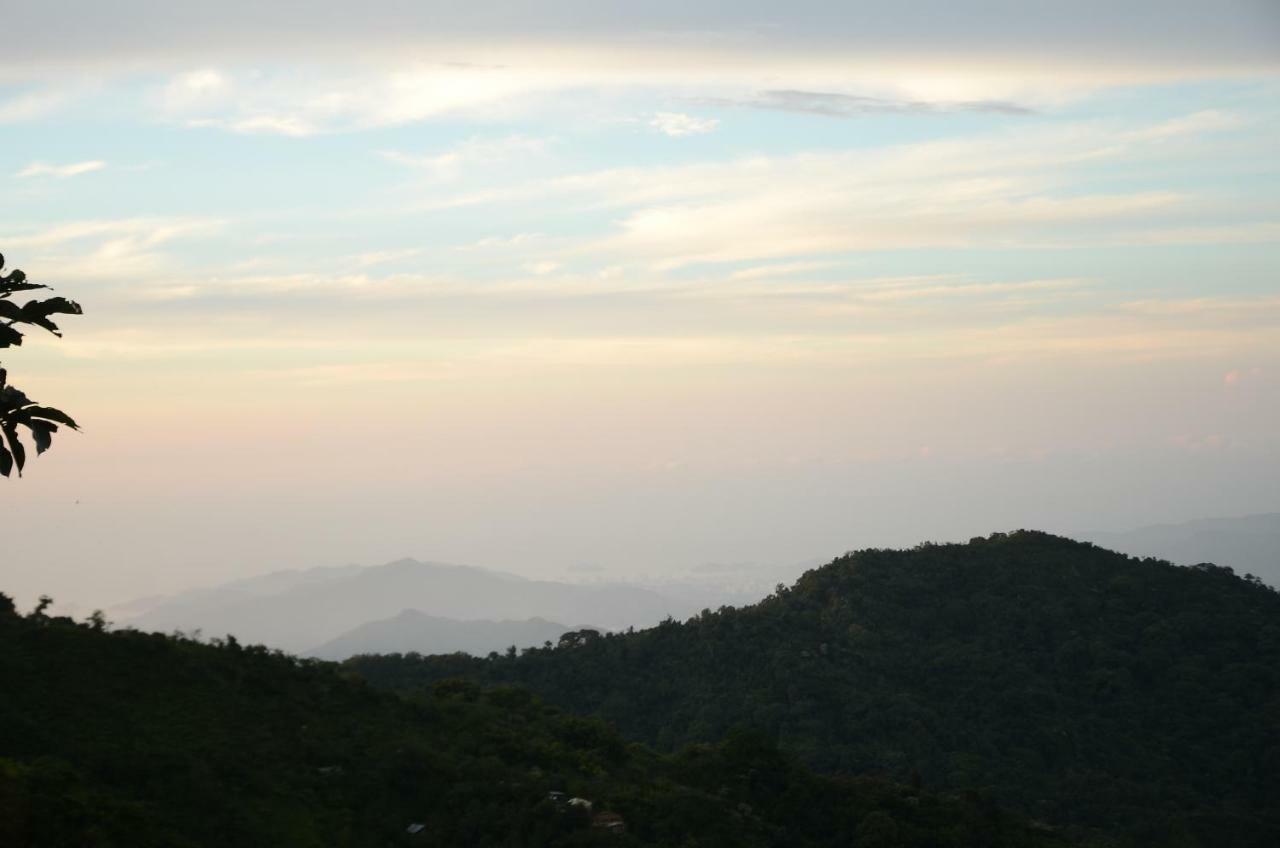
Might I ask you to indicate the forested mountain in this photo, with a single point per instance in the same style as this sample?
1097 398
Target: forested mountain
1249 544
130 740
428 634
298 611
1082 686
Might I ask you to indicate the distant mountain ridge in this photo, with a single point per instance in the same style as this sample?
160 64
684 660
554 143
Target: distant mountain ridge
415 631
299 611
1248 544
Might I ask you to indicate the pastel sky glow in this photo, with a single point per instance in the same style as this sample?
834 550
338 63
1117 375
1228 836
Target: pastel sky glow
636 285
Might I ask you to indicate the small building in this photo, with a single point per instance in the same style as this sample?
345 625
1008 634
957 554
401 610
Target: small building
415 828
557 798
580 803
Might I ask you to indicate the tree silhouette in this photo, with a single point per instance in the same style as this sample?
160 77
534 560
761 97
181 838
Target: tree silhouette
16 409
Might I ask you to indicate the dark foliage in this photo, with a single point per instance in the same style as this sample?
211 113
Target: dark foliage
1092 690
16 409
140 740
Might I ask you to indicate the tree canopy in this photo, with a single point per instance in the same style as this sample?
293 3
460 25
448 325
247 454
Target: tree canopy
143 740
1086 688
16 409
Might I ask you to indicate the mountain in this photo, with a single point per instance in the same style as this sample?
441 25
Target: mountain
134 740
298 611
1250 545
1082 686
413 631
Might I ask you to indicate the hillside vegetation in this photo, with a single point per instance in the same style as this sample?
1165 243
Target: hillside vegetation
429 634
129 740
1087 688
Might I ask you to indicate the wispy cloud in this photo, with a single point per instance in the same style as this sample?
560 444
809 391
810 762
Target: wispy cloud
112 249
1023 187
32 105
321 100
148 231
841 105
196 89
542 268
381 257
780 269
518 240
43 169
451 163
677 124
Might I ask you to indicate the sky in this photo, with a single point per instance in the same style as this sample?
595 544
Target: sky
630 288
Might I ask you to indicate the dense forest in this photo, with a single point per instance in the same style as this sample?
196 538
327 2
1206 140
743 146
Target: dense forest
139 740
1087 689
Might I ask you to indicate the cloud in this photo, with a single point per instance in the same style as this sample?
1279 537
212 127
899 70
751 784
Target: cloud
1021 187
677 124
290 125
196 88
835 203
32 106
1206 121
782 269
476 151
917 296
838 105
502 242
309 100
245 69
1027 159
42 169
312 98
210 97
380 257
900 292
1159 32
147 231
114 249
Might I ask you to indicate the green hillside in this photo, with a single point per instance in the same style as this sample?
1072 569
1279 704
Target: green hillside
1081 686
141 741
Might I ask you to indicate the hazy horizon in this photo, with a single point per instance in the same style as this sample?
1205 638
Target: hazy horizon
633 290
